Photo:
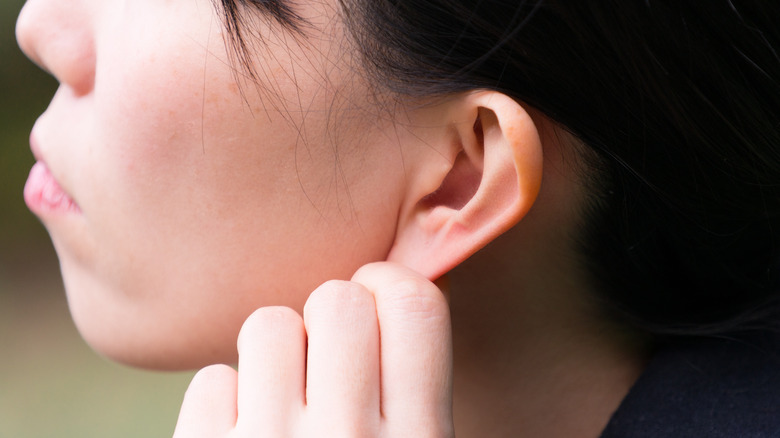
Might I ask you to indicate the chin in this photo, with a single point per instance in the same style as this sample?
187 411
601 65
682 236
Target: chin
133 346
123 328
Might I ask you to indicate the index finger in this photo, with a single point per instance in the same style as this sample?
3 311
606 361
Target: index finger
415 346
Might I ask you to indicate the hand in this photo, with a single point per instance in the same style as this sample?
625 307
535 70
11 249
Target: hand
378 363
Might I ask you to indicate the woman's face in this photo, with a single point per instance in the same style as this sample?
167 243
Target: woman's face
184 199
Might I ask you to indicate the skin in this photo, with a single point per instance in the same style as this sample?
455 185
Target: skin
204 198
319 388
186 188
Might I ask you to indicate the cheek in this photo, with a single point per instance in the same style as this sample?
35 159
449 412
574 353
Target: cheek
204 205
203 211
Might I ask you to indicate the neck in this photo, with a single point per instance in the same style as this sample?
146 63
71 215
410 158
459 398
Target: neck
532 357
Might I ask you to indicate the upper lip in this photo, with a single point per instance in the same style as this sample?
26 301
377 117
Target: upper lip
38 155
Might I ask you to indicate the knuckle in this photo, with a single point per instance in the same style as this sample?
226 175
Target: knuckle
338 296
212 375
271 315
265 319
368 269
414 299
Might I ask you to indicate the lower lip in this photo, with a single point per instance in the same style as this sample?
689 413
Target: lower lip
42 193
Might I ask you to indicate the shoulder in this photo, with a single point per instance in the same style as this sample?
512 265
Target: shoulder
714 387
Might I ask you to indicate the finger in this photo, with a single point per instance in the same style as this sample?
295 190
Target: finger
271 367
342 386
209 406
416 348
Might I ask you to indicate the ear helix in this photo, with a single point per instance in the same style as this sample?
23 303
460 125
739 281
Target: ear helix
488 187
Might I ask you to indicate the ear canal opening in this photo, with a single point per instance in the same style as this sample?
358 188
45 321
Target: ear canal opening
458 187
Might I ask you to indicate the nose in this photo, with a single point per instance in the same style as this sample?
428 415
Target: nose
59 37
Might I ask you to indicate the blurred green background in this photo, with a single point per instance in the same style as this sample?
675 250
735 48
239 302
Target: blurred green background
51 383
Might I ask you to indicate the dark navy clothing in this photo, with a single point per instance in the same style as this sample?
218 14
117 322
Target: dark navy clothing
728 387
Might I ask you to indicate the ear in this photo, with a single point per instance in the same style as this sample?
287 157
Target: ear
479 178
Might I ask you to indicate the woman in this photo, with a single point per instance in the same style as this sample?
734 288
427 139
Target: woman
595 179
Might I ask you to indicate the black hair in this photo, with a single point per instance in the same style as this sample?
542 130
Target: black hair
679 101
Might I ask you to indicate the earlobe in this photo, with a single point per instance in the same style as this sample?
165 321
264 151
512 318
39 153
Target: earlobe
492 178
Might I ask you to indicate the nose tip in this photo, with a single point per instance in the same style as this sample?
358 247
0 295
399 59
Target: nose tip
57 36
